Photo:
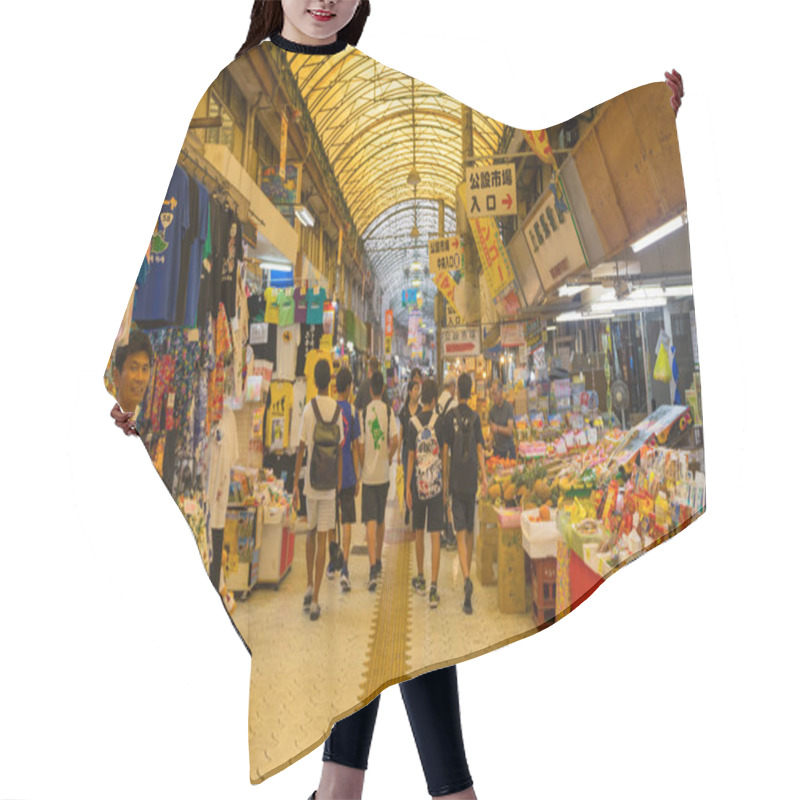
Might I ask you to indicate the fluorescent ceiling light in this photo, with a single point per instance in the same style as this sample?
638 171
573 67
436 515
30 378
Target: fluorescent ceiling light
659 233
629 305
415 265
304 215
552 327
571 291
678 291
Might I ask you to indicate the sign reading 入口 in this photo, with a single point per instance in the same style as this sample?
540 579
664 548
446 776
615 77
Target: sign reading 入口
491 191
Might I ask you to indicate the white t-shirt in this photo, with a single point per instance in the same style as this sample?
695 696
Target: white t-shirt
327 407
376 445
286 352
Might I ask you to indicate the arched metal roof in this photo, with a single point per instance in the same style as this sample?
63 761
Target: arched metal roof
362 111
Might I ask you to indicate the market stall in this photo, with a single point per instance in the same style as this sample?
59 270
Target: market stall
569 512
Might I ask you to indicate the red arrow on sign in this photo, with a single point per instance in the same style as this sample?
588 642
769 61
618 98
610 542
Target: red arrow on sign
506 201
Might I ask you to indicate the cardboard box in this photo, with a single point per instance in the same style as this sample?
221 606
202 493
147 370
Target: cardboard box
486 564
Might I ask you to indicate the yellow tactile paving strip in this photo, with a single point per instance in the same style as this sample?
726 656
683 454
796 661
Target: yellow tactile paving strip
389 630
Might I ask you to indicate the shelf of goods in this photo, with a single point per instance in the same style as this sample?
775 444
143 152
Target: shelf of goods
566 522
258 539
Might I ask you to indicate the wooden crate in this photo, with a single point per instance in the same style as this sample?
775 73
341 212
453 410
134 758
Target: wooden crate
544 573
511 572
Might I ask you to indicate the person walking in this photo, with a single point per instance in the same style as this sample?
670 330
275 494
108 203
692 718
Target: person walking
321 433
377 446
410 407
463 453
346 498
424 482
363 397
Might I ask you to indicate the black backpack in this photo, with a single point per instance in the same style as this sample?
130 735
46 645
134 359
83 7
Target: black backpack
324 467
464 466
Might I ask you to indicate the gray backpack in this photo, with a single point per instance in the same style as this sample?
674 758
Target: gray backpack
324 467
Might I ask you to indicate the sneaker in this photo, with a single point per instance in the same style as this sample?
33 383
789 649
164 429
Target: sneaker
421 584
378 567
415 583
373 579
330 572
315 609
433 599
307 600
344 581
468 596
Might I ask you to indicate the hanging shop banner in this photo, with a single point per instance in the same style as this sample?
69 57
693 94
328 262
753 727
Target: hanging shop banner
408 298
453 287
328 318
535 333
491 191
445 254
414 318
553 241
494 258
282 191
512 334
540 144
461 342
389 326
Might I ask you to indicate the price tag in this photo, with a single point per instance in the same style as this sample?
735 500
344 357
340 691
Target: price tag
591 435
192 335
561 447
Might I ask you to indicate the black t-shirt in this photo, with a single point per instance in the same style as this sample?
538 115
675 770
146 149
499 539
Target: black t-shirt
463 474
501 415
310 339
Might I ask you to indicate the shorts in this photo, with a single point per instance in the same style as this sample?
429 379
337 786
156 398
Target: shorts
347 506
433 509
373 502
463 512
321 514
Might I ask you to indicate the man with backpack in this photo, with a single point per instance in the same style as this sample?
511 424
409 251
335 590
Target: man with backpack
463 453
346 505
377 447
322 433
424 485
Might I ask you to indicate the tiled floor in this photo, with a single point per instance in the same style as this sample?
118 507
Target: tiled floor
364 641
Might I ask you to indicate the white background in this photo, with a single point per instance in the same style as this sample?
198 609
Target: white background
120 676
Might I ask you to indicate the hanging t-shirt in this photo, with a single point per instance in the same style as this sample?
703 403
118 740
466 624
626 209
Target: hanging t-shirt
279 410
288 339
197 254
316 307
285 307
234 253
300 305
273 312
311 363
223 453
310 338
256 307
155 299
298 404
379 428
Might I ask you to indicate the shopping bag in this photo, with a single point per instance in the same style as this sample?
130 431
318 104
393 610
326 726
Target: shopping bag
662 371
